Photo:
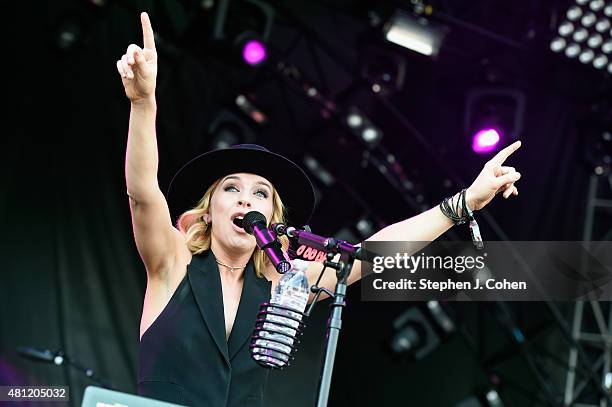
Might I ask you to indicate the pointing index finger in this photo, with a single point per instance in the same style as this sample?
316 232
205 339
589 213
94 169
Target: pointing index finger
505 153
147 31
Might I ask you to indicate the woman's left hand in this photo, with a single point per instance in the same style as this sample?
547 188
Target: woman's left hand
494 178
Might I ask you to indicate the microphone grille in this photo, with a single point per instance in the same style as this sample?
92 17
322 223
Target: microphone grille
250 218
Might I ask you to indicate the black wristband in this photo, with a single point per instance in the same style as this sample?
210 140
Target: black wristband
451 210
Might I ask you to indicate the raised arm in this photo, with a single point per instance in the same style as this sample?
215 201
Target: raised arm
429 225
156 238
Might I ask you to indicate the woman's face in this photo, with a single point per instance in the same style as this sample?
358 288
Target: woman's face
236 195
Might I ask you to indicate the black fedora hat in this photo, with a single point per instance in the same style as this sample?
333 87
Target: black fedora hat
292 184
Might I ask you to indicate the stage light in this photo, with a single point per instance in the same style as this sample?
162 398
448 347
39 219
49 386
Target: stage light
608 10
248 108
241 29
574 13
228 128
582 2
588 19
69 34
472 401
493 115
318 170
370 135
66 39
598 149
383 68
566 29
414 335
608 381
224 139
493 399
419 331
557 44
417 35
241 100
594 41
580 35
489 399
607 47
586 56
354 120
610 68
572 51
363 127
365 227
485 141
254 52
602 25
443 319
600 61
597 5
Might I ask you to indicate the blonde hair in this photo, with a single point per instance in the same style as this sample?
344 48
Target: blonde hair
198 233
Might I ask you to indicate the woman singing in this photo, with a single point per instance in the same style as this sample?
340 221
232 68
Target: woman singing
205 277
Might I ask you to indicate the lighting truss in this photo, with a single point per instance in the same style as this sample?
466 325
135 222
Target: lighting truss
585 33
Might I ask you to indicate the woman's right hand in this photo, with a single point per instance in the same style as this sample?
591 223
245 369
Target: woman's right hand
138 66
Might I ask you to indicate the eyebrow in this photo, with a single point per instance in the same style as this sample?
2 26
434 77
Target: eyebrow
239 179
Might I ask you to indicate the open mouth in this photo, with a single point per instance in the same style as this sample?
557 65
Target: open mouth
237 222
237 218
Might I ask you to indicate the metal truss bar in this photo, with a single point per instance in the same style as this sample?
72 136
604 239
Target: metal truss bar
573 354
599 318
583 383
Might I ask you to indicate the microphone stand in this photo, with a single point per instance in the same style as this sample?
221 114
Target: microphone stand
89 373
59 358
348 254
343 269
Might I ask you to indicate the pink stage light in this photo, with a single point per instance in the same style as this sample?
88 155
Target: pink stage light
254 52
485 141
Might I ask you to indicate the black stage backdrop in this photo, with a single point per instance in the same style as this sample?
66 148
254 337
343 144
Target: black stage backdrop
71 276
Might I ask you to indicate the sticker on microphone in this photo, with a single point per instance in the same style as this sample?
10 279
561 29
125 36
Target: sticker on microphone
306 253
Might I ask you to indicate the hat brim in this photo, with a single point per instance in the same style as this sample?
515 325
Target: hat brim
194 178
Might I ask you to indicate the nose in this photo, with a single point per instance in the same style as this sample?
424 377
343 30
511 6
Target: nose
244 202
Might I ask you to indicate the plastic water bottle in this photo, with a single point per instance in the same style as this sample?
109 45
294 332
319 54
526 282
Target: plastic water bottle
292 292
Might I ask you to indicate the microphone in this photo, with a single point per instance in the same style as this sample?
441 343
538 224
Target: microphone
280 229
306 238
254 223
44 355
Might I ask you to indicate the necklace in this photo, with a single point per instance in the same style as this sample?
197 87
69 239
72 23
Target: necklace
230 267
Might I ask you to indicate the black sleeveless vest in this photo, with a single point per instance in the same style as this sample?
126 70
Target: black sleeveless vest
184 357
